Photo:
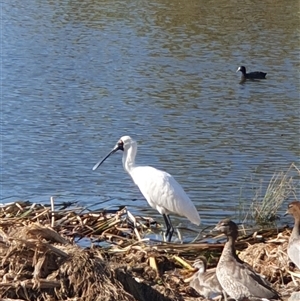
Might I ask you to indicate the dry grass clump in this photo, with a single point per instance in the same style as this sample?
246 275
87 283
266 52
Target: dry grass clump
39 264
265 204
158 274
270 259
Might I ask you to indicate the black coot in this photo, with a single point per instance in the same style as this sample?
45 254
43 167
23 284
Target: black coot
251 75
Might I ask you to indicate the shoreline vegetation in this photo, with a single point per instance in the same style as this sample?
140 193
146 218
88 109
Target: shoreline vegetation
42 257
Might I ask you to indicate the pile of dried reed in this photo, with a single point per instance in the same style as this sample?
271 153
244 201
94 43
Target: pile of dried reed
270 259
118 226
40 260
37 263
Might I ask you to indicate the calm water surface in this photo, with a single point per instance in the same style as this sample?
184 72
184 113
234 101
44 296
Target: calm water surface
78 75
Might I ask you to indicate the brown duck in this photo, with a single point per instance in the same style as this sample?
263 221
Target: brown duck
205 281
293 249
237 278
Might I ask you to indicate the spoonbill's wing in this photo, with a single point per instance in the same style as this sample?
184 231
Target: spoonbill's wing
164 193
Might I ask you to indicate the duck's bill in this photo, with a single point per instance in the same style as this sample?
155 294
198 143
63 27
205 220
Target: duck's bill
116 148
238 69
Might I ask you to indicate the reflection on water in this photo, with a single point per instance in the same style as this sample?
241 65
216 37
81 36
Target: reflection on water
77 75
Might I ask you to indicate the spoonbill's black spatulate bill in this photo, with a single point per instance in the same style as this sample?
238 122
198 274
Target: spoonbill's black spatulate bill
159 188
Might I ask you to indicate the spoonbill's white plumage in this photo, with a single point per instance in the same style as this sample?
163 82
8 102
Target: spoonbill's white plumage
159 188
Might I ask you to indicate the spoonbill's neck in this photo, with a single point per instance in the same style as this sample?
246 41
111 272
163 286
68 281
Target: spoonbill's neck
129 157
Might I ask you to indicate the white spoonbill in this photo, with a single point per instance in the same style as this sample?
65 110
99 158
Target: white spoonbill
159 188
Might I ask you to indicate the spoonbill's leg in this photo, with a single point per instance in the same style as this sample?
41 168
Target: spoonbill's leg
170 229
